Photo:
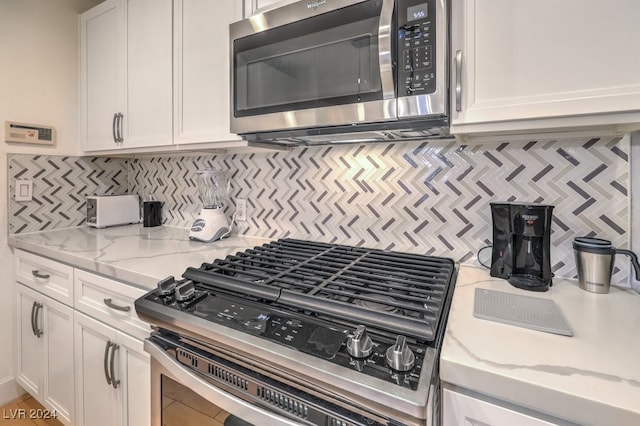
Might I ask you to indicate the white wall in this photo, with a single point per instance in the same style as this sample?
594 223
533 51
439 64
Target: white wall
38 84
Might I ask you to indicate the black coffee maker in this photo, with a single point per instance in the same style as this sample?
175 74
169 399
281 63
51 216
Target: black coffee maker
521 244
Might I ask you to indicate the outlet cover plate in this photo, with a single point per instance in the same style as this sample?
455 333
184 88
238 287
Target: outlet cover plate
24 190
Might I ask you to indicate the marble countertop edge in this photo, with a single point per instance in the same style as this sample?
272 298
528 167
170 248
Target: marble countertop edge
592 378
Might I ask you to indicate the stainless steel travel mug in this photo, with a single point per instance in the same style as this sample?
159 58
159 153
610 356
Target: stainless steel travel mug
595 258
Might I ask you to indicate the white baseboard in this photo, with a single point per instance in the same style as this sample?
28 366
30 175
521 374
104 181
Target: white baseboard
9 390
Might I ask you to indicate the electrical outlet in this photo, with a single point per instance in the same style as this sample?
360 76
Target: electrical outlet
24 190
241 209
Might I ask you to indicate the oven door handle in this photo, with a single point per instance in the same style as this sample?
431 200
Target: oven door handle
385 59
210 392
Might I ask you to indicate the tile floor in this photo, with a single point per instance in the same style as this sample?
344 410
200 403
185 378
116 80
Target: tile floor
25 411
182 406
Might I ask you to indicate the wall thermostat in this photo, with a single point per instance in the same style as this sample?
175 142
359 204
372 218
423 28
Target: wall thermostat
29 133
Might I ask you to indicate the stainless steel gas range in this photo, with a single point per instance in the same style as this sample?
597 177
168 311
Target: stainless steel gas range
299 332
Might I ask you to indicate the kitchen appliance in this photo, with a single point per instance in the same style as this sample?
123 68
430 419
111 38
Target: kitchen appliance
595 258
521 250
211 224
112 210
300 332
151 213
341 71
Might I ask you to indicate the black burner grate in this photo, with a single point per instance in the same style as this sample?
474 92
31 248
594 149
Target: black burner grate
396 292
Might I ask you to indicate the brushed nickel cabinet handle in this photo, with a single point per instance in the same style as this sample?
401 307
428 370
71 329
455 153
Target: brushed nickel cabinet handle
106 362
120 117
112 305
40 275
115 382
39 332
33 318
113 127
458 80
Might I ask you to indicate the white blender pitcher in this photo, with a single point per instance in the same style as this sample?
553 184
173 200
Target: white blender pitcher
211 224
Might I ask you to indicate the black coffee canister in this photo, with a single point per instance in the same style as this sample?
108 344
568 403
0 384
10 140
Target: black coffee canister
151 213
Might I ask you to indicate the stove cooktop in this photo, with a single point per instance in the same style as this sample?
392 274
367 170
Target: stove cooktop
396 292
370 310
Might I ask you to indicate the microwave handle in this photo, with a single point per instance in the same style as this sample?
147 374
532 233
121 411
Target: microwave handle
228 402
385 59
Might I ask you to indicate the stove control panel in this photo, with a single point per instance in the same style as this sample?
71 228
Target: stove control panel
359 349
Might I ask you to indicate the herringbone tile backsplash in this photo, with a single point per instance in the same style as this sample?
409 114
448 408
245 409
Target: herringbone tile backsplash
428 197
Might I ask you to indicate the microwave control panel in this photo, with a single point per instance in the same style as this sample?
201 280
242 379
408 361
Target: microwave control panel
416 47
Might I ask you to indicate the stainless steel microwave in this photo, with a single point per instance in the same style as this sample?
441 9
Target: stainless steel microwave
318 71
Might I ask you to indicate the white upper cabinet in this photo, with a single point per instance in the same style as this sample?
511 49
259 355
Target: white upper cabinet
149 77
155 74
101 74
126 75
201 70
526 66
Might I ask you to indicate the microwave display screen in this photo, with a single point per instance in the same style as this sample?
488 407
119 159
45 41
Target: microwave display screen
417 12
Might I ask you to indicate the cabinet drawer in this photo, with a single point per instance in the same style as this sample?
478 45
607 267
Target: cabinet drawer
47 276
461 409
109 301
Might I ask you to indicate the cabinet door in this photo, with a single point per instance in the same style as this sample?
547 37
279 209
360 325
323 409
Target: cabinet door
30 365
201 70
45 352
97 401
101 74
58 360
574 59
147 119
134 371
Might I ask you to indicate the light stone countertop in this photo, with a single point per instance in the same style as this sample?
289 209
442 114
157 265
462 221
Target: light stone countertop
592 378
135 254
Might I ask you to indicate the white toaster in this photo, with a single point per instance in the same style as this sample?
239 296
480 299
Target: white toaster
112 210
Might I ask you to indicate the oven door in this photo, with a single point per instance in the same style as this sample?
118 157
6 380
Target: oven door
313 64
188 380
180 396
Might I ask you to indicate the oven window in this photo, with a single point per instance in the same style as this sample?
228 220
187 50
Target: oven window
183 407
329 59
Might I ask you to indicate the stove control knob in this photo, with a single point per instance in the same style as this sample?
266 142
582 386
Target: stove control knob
166 286
360 345
185 291
399 356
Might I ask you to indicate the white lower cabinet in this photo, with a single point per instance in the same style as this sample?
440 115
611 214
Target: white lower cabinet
112 376
82 359
461 409
45 359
